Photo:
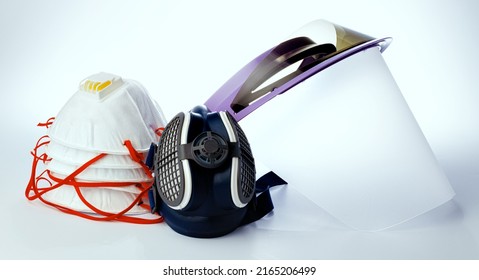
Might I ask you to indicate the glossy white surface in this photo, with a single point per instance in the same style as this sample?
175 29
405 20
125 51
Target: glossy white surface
182 52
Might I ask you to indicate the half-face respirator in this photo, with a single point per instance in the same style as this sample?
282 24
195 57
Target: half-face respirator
205 173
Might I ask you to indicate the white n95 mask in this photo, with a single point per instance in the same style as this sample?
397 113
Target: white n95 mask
95 149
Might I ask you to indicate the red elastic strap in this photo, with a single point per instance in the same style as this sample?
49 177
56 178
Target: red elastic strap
159 131
53 182
48 123
138 158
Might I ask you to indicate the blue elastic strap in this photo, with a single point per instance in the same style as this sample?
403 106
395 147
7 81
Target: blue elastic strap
262 204
149 162
151 155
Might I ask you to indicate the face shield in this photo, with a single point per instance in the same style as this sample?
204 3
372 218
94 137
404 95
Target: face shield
334 124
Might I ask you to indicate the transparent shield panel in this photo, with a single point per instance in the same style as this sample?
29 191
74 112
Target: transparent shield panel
322 110
346 140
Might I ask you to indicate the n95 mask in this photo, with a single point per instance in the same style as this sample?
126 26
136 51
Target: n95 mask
95 149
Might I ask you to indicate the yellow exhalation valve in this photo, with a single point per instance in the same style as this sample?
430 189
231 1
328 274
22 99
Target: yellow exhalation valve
100 84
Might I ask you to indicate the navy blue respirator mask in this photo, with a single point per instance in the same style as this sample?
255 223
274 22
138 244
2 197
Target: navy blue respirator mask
205 176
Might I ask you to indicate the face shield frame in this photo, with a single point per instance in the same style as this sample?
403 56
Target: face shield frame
246 90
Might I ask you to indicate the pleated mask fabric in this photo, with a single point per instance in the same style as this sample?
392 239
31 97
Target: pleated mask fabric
94 151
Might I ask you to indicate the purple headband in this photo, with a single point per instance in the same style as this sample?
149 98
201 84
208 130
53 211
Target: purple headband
240 95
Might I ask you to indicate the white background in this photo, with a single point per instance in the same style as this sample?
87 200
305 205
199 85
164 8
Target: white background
182 51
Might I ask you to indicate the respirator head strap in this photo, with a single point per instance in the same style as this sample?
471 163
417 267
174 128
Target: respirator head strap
262 204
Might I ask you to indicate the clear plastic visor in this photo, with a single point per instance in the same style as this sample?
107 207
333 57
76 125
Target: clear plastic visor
343 136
